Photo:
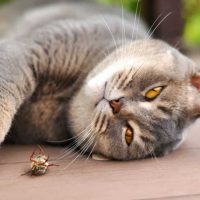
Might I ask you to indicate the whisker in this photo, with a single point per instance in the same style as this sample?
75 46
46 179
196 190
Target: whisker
151 152
155 158
73 147
77 142
71 138
85 148
90 141
111 33
123 25
134 24
164 18
91 151
90 138
79 134
80 139
149 31
137 26
177 45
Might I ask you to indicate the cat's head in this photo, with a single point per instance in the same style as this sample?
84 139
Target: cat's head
137 102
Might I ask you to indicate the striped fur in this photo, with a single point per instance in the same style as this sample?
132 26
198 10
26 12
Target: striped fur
58 75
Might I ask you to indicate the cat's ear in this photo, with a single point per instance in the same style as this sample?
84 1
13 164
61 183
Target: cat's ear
195 81
194 96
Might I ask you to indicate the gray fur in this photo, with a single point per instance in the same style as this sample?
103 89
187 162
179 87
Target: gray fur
59 73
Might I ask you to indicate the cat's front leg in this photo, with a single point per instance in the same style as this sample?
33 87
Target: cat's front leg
7 111
16 82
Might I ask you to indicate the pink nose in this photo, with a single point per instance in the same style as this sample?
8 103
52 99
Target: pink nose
115 105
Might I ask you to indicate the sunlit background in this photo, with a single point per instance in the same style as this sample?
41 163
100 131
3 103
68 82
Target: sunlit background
190 13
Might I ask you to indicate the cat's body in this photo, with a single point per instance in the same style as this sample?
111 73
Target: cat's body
76 71
42 117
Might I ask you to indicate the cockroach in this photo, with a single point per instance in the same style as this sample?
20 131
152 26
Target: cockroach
39 162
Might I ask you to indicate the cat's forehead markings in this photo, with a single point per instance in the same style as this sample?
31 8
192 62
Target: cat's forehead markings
117 66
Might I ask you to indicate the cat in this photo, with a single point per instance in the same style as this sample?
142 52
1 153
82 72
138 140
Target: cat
80 71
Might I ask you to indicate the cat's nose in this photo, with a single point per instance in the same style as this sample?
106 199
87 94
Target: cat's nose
116 105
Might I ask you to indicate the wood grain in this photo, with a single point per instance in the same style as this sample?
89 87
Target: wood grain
176 176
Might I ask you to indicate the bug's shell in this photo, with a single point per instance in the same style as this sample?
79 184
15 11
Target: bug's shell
39 165
38 169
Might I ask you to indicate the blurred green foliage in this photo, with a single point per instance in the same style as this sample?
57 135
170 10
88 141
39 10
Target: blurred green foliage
191 14
130 5
4 1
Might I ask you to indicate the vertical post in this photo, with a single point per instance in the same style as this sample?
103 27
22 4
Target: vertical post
171 29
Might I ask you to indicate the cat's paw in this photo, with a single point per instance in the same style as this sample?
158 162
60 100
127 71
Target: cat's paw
7 112
5 124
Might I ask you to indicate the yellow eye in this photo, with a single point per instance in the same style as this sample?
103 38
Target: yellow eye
153 93
129 134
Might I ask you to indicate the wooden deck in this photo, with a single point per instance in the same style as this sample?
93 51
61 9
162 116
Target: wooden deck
176 176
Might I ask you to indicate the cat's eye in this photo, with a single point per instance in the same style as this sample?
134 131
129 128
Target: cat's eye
129 135
153 93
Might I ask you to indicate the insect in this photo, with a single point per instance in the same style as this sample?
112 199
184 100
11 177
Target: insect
39 162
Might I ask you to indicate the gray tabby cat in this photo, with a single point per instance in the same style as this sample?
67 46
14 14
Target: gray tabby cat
79 71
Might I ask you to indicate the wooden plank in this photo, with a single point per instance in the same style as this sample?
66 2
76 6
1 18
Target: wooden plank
176 176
